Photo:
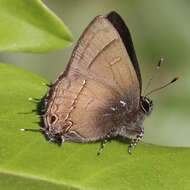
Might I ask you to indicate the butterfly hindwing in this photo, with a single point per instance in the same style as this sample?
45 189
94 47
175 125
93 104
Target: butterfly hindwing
98 76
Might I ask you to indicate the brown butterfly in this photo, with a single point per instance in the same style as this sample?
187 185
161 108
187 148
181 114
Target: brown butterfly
98 96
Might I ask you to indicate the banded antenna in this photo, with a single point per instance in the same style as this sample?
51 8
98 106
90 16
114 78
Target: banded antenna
153 75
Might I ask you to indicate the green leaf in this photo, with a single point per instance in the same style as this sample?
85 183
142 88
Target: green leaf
29 26
28 161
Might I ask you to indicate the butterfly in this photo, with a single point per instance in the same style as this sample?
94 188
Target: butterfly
99 95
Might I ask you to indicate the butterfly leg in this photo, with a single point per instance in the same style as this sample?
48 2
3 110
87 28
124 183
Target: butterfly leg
135 141
105 140
102 145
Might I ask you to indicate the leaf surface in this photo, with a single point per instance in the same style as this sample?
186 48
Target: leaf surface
29 26
28 161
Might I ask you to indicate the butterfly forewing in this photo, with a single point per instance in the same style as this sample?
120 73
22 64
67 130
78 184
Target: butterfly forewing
98 76
125 35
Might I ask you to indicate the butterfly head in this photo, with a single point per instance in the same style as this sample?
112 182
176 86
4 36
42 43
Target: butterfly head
146 105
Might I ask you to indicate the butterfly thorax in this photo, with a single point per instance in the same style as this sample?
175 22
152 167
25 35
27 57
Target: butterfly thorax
131 124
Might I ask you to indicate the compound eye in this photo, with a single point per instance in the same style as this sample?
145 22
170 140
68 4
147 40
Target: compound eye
145 104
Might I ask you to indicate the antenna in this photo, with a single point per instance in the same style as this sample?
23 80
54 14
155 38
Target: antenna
153 74
159 88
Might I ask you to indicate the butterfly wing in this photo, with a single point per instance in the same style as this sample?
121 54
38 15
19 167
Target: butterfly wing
125 35
99 75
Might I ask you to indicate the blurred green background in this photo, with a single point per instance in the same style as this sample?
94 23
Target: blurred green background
159 29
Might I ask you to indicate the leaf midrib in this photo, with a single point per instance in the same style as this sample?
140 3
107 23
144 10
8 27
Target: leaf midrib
39 178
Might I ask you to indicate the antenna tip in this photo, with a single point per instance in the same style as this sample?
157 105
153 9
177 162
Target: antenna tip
22 129
176 78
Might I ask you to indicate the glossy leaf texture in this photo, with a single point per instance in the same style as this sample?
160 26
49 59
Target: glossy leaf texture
29 26
28 161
